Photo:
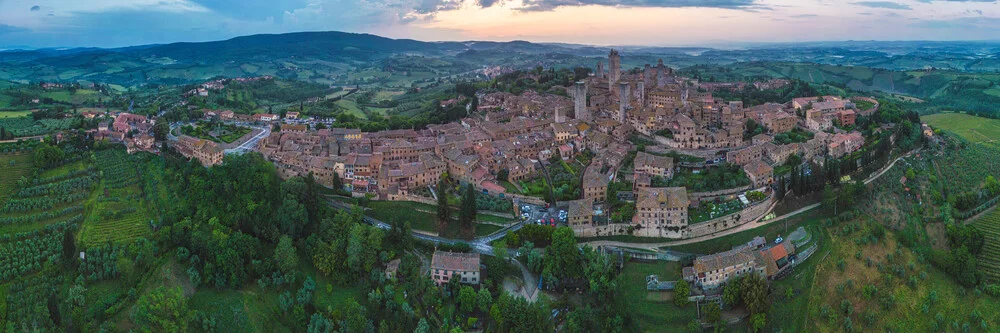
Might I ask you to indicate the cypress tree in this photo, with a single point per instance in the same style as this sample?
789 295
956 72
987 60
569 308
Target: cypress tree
443 210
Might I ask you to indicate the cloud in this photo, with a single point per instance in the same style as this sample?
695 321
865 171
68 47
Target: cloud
546 5
804 15
7 29
883 4
35 8
929 1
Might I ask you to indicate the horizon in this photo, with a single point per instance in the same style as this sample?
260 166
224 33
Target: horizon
669 23
718 44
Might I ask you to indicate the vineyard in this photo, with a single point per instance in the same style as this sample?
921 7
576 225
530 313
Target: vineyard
120 202
12 168
965 169
37 202
989 259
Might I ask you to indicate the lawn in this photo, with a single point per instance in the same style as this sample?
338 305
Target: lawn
14 114
972 128
708 210
810 220
423 217
654 311
536 187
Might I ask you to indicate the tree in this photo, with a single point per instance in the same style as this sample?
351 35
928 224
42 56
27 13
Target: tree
47 156
467 215
731 292
562 257
338 184
758 322
500 249
291 217
681 293
284 255
443 210
484 299
363 248
713 314
467 299
754 292
160 130
162 310
503 174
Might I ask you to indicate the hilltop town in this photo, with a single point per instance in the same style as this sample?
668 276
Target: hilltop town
510 140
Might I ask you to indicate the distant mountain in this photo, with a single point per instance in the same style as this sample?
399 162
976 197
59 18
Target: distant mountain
326 56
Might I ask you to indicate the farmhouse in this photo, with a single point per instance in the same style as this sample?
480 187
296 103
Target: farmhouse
448 265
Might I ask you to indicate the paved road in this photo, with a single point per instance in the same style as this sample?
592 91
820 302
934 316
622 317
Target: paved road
742 227
251 144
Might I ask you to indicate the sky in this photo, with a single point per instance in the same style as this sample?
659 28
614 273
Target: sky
116 23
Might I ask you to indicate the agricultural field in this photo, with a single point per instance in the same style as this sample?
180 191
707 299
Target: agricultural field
118 211
54 197
12 167
989 259
872 283
972 128
14 114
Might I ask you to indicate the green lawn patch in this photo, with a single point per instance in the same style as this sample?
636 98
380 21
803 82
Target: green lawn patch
654 311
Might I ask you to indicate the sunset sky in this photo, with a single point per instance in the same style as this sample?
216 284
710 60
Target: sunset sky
111 23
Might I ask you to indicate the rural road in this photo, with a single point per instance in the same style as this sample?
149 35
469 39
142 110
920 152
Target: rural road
741 228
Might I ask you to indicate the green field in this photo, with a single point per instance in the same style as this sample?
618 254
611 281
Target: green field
989 259
654 311
972 128
118 210
14 114
12 168
888 287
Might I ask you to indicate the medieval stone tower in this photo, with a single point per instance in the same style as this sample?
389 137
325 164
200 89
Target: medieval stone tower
614 69
623 102
580 111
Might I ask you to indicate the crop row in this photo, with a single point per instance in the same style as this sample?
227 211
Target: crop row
40 203
30 254
90 170
63 187
28 301
40 216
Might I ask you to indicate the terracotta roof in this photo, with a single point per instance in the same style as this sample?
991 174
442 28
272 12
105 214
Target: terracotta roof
454 261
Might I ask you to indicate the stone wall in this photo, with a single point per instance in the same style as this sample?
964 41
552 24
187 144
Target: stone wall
730 221
726 194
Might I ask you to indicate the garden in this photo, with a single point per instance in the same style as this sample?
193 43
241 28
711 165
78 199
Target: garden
214 131
711 179
709 210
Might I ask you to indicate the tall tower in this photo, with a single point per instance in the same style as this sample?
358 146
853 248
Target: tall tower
560 114
580 111
600 70
623 100
615 69
659 73
640 93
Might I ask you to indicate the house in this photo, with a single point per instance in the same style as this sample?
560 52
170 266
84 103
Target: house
760 173
842 144
780 122
847 118
713 271
227 115
391 269
294 128
595 184
206 152
292 115
265 117
746 155
580 213
654 165
448 265
661 210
